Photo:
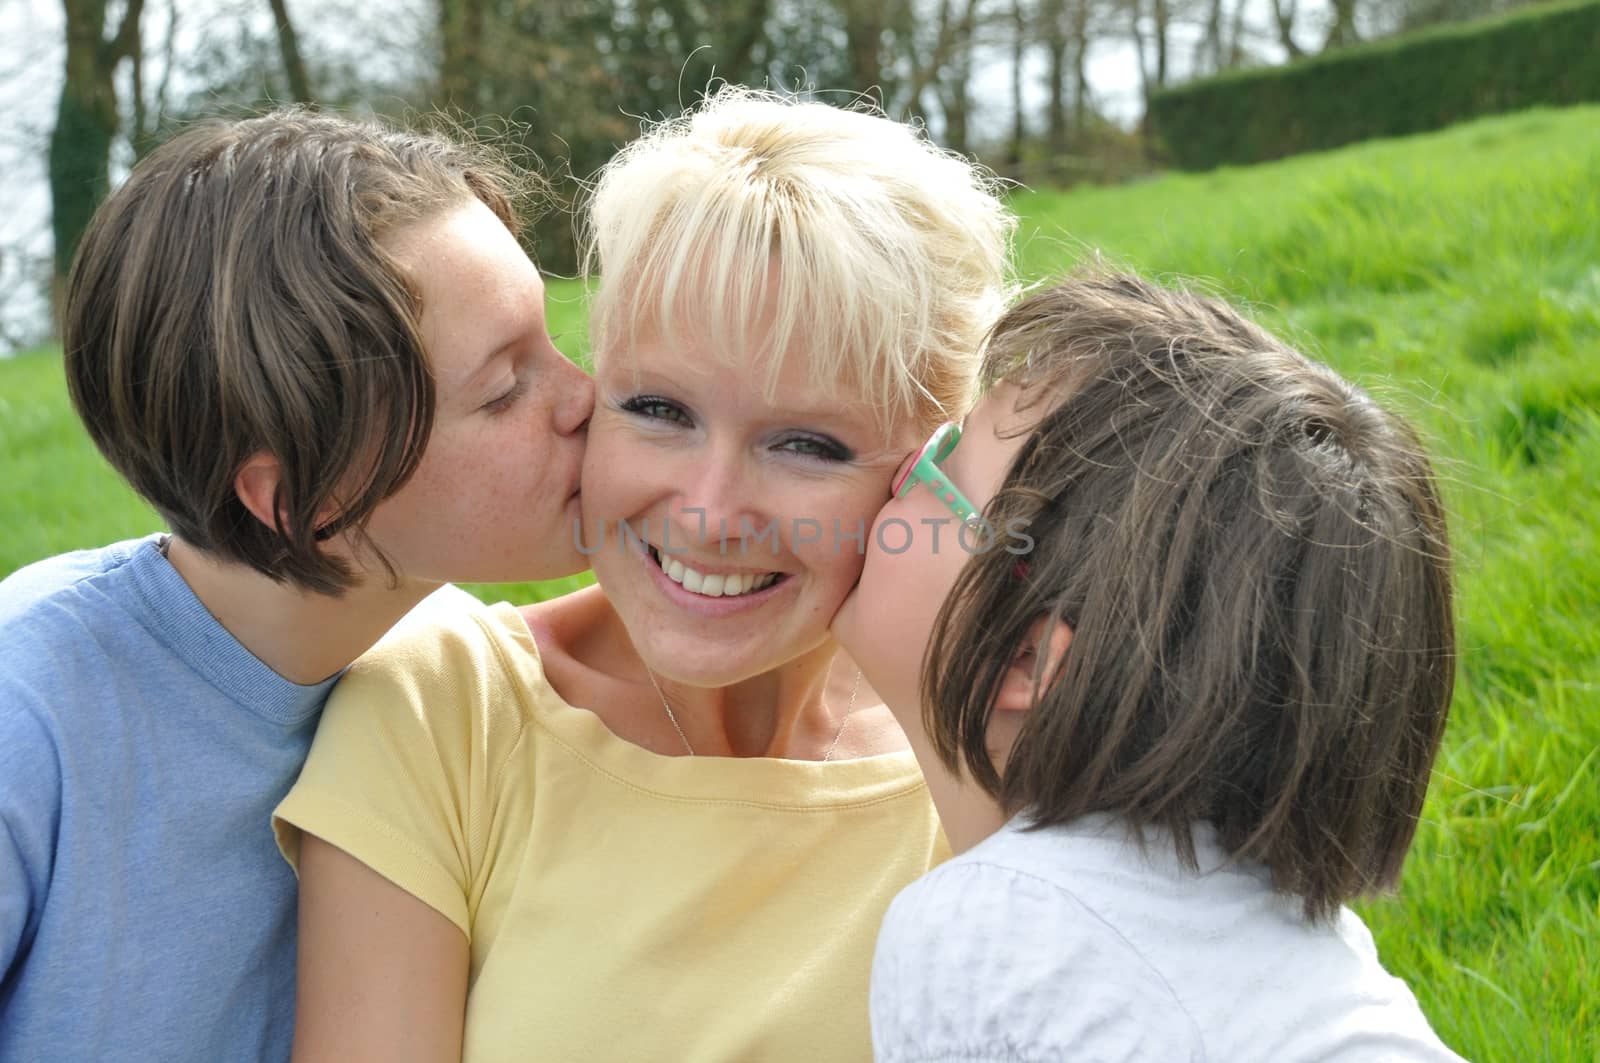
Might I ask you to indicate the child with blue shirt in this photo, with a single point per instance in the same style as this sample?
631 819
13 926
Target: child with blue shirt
1178 715
316 348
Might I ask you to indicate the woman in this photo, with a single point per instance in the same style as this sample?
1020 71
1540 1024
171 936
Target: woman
662 817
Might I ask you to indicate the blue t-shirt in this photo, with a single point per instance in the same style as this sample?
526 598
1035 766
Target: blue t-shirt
144 911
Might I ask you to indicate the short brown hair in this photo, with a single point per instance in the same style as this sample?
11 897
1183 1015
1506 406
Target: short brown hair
1251 553
234 297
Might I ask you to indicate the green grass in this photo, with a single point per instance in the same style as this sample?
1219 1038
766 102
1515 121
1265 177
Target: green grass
1458 276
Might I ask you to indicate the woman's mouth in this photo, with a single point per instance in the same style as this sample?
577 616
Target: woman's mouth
715 584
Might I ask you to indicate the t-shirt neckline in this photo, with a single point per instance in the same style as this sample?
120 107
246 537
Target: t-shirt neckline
800 785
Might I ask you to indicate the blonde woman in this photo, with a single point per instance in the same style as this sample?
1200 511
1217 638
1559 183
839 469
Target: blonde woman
662 817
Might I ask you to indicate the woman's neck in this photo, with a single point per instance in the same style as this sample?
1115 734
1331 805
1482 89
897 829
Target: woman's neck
792 711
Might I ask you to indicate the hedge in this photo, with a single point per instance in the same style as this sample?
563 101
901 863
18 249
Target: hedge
1546 55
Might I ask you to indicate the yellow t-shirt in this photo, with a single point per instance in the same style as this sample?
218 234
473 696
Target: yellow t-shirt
620 905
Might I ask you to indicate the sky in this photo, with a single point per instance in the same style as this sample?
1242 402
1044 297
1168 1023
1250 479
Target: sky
31 54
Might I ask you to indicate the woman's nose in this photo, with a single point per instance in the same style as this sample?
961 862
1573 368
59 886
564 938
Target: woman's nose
721 501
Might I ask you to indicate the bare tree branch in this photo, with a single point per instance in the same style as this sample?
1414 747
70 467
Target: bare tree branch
294 67
126 42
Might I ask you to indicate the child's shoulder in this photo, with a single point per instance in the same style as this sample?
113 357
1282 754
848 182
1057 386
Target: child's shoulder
1043 899
1089 931
40 583
994 955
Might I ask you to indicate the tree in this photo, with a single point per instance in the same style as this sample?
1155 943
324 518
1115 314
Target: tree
461 73
951 80
1414 14
294 67
1283 14
1019 120
86 123
1342 32
866 25
1055 32
1157 42
142 134
1079 35
1210 50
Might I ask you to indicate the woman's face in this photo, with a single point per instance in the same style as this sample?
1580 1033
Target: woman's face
746 519
494 498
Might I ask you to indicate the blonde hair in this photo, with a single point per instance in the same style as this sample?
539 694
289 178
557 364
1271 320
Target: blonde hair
760 225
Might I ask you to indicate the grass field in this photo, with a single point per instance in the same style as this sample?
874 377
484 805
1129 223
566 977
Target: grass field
1458 276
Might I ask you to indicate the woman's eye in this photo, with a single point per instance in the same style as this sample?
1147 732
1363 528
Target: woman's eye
819 447
506 400
655 408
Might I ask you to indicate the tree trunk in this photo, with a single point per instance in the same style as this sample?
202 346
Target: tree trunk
743 48
1283 16
461 59
955 105
1136 33
1343 30
954 90
1210 48
1163 22
139 135
1235 55
1019 121
954 38
86 125
294 67
1080 65
1052 13
865 22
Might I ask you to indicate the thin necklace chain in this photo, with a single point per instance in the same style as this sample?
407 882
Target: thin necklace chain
673 719
826 757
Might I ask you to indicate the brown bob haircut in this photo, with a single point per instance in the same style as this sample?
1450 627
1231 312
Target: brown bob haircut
234 297
1251 554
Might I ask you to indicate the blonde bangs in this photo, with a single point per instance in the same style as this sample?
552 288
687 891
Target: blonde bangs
758 229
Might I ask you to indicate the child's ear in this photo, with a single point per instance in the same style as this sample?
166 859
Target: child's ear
256 484
1016 689
257 487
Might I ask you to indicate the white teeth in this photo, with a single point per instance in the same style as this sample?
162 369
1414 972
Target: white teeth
716 585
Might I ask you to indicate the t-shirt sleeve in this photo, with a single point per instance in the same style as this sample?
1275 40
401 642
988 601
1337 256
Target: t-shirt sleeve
30 810
401 774
980 963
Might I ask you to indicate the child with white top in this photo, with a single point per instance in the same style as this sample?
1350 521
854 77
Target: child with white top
1177 715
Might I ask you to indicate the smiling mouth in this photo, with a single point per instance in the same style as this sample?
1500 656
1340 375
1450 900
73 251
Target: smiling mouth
713 585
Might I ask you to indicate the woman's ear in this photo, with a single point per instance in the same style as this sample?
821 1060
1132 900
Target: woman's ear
1016 689
256 484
